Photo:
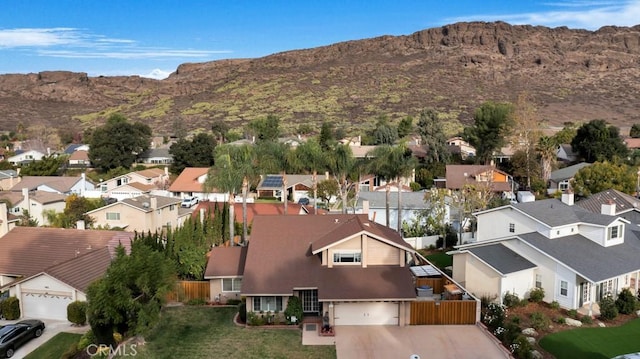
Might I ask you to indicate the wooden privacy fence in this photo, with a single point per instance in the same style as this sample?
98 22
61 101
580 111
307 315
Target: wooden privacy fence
443 312
186 290
436 283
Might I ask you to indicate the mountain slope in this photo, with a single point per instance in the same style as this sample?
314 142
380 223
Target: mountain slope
571 75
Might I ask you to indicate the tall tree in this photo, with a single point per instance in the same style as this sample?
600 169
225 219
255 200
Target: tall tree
327 137
595 141
311 159
198 152
492 123
433 137
118 142
525 134
634 132
220 130
342 165
405 127
265 129
546 148
602 176
384 133
566 134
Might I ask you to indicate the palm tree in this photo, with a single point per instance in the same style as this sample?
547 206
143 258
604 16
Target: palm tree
342 165
546 147
311 159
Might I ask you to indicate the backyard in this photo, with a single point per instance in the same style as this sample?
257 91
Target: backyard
209 332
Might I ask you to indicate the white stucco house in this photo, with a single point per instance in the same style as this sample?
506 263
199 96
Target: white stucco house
577 256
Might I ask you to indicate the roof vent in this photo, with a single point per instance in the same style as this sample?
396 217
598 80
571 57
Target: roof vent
336 220
145 205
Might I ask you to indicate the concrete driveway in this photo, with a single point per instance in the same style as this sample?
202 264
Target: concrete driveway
427 341
52 327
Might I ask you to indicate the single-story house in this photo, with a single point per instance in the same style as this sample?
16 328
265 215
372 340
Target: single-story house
25 157
190 183
560 179
57 184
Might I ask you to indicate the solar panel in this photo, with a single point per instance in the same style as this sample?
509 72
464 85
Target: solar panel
272 181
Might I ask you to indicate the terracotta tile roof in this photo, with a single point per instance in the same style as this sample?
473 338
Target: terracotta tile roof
82 270
226 262
460 175
279 259
632 142
253 209
187 181
25 251
79 155
61 184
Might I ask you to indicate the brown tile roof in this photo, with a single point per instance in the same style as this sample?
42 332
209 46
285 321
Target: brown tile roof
82 270
13 197
140 201
25 251
460 175
226 262
151 172
141 186
632 142
253 209
79 155
59 183
45 197
279 259
187 181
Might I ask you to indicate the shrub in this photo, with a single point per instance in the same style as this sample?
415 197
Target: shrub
515 319
585 319
294 309
11 308
560 320
242 311
511 300
554 305
254 319
233 301
77 312
521 348
196 301
539 321
536 295
494 316
86 339
626 302
572 313
608 309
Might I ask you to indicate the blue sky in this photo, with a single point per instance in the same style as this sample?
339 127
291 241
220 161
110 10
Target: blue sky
152 37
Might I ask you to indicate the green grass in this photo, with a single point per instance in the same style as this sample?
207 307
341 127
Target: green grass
594 343
206 332
55 347
440 259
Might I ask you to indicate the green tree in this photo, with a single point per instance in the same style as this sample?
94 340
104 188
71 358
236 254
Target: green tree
595 141
602 176
634 132
327 137
436 214
311 160
265 129
327 189
384 133
492 123
566 134
433 137
47 166
405 127
197 152
220 130
118 142
546 149
344 169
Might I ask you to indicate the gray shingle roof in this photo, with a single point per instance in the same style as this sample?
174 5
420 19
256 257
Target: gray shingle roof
410 200
588 258
503 259
553 212
567 172
623 201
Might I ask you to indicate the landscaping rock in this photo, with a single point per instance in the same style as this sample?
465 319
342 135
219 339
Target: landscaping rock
531 340
536 354
530 332
638 313
572 322
601 324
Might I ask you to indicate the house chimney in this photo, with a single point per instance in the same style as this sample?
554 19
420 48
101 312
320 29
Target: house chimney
80 225
4 221
567 198
25 201
608 208
153 202
166 170
365 207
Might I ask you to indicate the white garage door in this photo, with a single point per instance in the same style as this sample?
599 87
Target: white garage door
45 306
367 313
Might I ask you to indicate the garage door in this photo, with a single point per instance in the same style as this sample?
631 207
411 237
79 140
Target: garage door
45 306
367 313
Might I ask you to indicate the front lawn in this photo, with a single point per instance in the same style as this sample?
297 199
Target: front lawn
209 332
440 259
55 347
594 343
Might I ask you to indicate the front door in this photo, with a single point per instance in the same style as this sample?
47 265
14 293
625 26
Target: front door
310 302
585 293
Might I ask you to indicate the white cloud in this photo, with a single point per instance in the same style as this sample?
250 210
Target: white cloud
39 37
574 14
130 54
157 74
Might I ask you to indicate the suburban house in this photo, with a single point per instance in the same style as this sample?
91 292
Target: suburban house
37 203
457 145
8 179
632 143
458 176
560 180
57 184
150 176
70 149
374 203
25 157
143 213
565 153
297 186
353 269
190 183
79 159
155 156
626 206
48 268
253 210
577 256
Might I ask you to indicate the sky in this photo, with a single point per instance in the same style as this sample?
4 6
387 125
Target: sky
151 38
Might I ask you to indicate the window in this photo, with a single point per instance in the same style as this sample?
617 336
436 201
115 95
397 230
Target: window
347 257
615 232
103 188
113 216
538 280
564 288
267 304
172 207
564 185
231 284
512 227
